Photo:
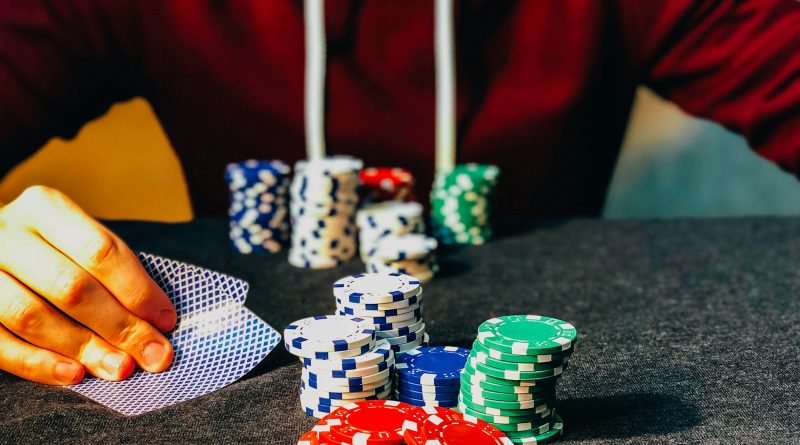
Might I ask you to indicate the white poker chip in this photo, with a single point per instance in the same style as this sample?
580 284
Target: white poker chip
329 333
382 352
402 247
374 288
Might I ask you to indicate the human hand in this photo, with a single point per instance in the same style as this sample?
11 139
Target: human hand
74 297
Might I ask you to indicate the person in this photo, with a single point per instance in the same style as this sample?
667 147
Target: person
544 91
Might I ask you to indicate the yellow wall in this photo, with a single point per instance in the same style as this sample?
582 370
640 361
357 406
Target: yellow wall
120 166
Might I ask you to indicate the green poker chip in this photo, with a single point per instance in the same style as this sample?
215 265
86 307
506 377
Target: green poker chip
529 437
503 411
476 375
513 358
477 384
480 393
505 420
500 404
539 428
514 375
513 366
461 204
527 334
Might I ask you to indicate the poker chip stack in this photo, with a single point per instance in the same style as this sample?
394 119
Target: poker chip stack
511 374
387 218
380 184
430 376
413 254
343 362
461 204
324 196
386 422
391 302
258 210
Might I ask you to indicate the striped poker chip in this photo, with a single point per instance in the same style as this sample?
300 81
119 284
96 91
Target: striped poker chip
330 355
404 330
329 333
342 395
382 306
346 381
527 334
371 422
382 352
375 288
437 426
434 365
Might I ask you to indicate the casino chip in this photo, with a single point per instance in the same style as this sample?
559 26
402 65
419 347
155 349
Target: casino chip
342 361
412 254
461 204
386 184
438 426
430 376
387 218
259 210
510 376
324 197
370 422
390 301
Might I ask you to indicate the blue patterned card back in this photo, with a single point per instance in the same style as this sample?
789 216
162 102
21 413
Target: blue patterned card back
217 340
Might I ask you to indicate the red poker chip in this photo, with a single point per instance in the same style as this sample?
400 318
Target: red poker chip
444 426
319 435
387 183
369 422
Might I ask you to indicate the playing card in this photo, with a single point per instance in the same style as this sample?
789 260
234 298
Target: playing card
217 340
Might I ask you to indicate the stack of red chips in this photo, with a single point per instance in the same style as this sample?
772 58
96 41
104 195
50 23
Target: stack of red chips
380 184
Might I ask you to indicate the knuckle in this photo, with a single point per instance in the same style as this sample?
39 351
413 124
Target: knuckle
71 289
31 364
99 249
128 335
22 318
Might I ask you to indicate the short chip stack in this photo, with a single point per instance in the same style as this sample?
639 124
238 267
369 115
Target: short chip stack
380 184
461 204
386 422
259 210
391 302
324 199
430 376
387 218
511 374
342 362
413 254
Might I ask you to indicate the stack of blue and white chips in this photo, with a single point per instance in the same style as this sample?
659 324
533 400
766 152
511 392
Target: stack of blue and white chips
430 376
342 362
259 209
411 254
392 302
324 196
379 220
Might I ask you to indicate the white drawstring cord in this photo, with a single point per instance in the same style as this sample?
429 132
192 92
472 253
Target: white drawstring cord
445 86
314 18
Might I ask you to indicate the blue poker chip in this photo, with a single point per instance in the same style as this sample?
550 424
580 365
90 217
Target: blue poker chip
419 402
431 366
428 396
403 385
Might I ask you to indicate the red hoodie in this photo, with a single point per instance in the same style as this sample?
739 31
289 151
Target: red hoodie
544 86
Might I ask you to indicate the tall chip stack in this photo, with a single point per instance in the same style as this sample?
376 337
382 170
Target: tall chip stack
392 302
412 254
461 204
324 196
376 221
259 209
380 184
511 374
430 376
343 362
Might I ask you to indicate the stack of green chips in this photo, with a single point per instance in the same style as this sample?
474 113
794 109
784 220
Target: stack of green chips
511 375
461 204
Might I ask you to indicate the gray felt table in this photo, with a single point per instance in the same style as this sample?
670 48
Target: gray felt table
688 333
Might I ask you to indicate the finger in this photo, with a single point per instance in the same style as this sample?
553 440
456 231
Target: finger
53 276
35 321
98 251
36 364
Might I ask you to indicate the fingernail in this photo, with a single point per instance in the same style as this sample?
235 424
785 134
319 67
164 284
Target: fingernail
153 353
68 373
166 320
112 363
